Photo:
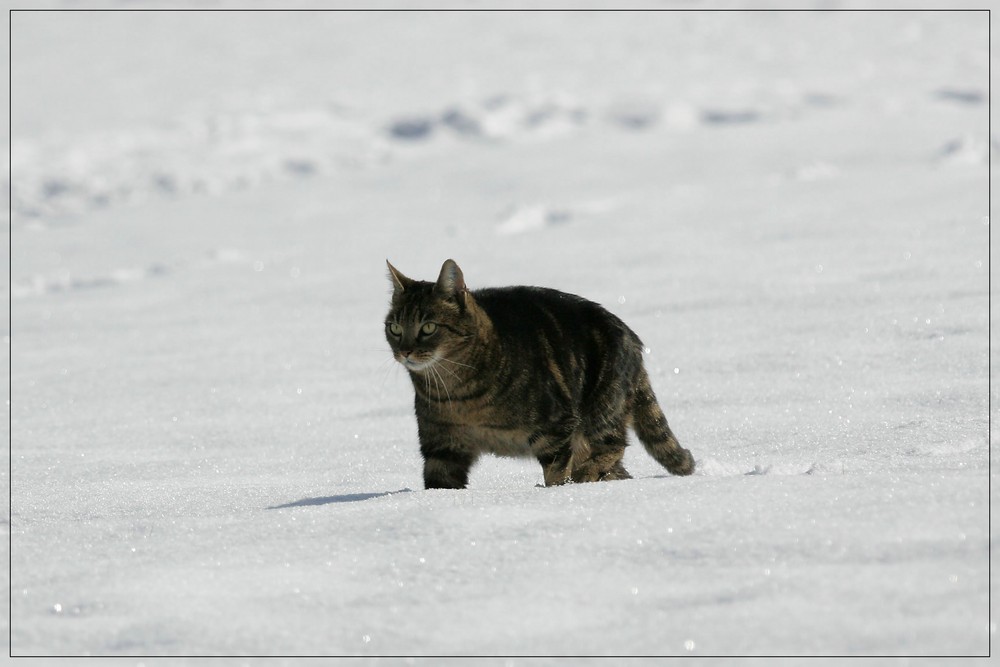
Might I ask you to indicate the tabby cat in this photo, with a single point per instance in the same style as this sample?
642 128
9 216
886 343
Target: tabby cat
523 371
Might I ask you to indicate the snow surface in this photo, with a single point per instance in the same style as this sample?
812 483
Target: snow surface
214 454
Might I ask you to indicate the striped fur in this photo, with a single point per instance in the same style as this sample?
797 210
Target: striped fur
523 371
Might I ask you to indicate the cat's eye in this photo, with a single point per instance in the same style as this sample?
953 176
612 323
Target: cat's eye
428 328
395 329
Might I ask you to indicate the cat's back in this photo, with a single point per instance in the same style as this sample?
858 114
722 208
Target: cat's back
519 311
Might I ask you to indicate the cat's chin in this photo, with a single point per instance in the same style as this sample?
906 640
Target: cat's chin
418 366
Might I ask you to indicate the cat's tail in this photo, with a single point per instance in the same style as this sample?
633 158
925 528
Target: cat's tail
653 431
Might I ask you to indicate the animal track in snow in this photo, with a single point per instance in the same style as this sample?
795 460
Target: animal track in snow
500 117
62 281
66 281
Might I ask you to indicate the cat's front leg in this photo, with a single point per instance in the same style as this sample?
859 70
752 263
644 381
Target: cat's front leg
446 462
447 470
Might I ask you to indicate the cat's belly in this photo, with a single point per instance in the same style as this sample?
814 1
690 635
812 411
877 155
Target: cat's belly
498 441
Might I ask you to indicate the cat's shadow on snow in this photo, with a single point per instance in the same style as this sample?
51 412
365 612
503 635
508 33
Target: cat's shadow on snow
346 498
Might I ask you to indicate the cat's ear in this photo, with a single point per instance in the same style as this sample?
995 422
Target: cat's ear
451 282
400 283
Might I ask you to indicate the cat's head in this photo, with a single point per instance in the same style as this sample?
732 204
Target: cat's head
429 322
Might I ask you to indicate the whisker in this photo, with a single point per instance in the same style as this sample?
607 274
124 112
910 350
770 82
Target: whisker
457 363
437 385
444 384
387 369
427 378
437 381
453 373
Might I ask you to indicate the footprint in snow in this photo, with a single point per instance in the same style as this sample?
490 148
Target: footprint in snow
716 468
730 116
969 96
964 150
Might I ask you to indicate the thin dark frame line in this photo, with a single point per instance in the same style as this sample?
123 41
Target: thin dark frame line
473 10
10 237
989 318
10 335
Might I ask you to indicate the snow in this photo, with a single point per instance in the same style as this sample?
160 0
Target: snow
213 452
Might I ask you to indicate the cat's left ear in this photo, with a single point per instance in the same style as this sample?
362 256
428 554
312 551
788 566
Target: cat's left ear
450 283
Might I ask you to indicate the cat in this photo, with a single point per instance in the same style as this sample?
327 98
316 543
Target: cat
523 371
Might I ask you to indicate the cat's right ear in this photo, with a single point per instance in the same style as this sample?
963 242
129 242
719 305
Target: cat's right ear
400 283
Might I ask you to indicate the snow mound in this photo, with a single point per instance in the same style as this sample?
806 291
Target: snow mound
535 217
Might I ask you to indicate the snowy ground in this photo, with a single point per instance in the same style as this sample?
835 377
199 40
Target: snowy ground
213 453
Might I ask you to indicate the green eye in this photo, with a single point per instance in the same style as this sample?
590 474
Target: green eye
428 328
395 329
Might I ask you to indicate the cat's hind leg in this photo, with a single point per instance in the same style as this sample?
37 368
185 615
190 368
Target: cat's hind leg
555 451
555 471
604 456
